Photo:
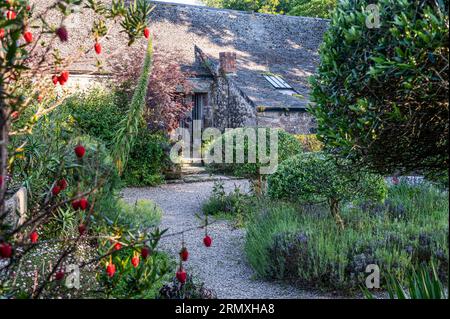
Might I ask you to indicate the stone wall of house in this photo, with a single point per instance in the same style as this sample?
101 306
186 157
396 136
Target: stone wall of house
229 106
293 121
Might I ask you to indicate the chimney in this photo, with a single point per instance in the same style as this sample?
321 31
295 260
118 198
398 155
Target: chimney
227 62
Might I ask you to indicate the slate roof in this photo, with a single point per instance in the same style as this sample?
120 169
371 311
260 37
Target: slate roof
282 45
264 43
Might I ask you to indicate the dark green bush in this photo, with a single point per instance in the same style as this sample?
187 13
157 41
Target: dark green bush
98 113
319 178
304 243
148 160
381 94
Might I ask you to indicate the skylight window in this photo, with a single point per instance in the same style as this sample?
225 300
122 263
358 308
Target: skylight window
277 82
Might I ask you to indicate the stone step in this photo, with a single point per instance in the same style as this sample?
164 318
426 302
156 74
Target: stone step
198 178
192 170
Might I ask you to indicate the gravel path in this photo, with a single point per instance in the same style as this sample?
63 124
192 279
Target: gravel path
223 266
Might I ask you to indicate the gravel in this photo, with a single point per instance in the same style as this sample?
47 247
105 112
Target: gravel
223 266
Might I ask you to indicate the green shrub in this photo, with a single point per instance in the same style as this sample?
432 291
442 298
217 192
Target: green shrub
234 204
287 241
148 160
313 8
288 146
141 282
310 142
423 283
192 289
377 97
98 113
318 177
144 214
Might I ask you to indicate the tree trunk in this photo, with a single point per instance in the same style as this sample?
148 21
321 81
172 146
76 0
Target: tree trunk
334 208
3 149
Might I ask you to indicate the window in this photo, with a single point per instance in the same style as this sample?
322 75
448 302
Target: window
280 84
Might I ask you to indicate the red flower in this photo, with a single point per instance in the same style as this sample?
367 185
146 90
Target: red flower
14 115
146 33
80 151
395 180
28 36
98 48
10 15
207 241
145 252
111 270
84 204
55 79
5 250
64 77
76 204
184 254
62 34
181 275
2 33
135 261
118 246
56 190
82 229
34 237
62 183
59 275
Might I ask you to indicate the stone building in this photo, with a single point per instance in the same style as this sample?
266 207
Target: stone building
246 69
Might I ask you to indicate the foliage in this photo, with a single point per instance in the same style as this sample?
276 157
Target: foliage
423 283
192 289
144 214
130 125
71 176
381 95
142 281
288 146
309 8
320 178
98 113
263 6
313 8
167 90
304 244
24 63
310 142
148 160
234 204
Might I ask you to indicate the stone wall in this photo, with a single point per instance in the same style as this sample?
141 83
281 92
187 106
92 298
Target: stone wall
230 108
293 121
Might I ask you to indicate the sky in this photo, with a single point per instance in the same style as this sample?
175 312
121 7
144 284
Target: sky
197 2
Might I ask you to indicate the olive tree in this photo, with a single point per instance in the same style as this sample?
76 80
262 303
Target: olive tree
315 178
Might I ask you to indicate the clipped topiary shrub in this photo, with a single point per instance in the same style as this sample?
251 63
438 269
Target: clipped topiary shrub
320 178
